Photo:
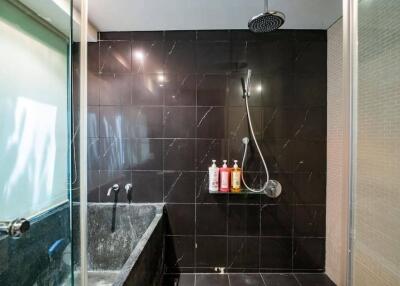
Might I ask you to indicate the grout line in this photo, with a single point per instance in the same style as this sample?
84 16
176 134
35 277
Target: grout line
228 155
194 106
262 278
163 156
204 172
293 238
195 183
259 237
163 145
227 235
298 281
274 272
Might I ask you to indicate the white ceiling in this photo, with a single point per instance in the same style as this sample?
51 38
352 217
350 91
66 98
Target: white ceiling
144 15
150 15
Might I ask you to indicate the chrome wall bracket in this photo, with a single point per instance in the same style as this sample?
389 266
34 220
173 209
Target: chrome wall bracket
15 228
274 189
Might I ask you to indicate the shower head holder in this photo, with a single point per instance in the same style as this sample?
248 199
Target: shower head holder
273 189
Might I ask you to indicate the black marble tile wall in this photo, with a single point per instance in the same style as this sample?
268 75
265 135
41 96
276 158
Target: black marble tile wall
162 105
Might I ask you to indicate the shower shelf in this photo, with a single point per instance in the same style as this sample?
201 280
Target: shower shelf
272 190
236 194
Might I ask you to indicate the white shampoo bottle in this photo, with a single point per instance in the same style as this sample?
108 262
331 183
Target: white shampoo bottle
213 175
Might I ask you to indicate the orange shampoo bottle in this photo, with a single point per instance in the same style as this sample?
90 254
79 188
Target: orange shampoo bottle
235 178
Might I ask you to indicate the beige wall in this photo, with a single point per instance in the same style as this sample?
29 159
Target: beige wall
336 219
376 255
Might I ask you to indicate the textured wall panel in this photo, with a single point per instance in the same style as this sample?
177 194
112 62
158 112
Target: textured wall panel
377 225
335 194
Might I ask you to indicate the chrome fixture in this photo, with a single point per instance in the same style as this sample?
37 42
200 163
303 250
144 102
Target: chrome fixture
271 188
267 21
15 228
220 270
114 188
274 189
128 188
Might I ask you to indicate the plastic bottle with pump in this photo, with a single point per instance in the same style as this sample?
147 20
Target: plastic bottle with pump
213 176
235 178
224 175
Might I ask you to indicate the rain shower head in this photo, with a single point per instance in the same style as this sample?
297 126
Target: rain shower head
267 21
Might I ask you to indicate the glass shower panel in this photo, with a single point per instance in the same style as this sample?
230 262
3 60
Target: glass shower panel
376 196
34 142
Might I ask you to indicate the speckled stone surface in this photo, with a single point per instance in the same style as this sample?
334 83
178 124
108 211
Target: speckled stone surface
125 243
126 239
97 278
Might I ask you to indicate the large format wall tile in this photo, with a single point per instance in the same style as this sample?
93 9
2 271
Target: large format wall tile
164 104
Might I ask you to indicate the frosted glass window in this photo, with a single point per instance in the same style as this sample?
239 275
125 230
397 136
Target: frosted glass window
33 115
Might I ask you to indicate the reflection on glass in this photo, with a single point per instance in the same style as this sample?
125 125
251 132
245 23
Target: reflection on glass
33 112
34 142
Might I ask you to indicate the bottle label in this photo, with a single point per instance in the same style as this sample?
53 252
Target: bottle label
213 179
224 180
236 180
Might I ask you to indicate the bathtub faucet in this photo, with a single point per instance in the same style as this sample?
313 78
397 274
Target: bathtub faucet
114 188
128 188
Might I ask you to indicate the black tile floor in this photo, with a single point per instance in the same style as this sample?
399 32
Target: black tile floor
247 279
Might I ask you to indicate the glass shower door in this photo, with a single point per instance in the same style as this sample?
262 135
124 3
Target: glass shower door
35 233
375 258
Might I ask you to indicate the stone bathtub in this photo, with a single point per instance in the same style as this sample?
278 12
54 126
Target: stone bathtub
125 244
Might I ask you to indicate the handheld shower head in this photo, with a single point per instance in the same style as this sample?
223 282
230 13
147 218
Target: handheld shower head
246 84
248 79
270 188
243 87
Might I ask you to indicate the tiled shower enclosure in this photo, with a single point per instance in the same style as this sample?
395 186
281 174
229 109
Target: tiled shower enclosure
162 105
